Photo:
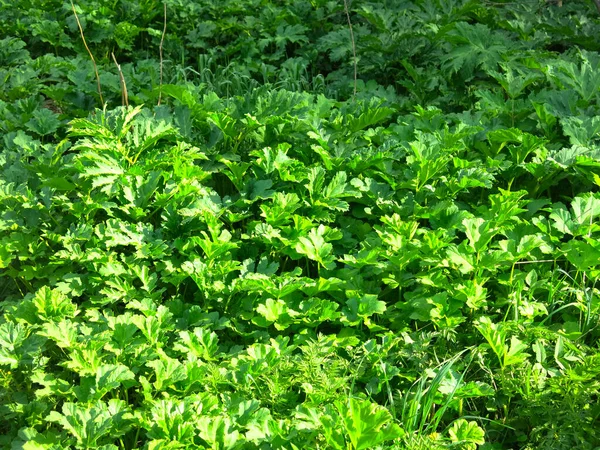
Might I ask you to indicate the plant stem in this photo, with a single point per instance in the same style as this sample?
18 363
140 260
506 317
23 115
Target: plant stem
90 53
353 44
124 96
160 52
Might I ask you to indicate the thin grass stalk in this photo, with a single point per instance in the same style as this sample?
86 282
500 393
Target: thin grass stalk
347 11
160 53
124 96
90 53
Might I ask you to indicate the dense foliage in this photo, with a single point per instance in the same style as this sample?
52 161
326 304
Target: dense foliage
266 260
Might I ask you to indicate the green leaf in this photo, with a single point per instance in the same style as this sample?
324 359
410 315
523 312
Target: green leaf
6 256
116 232
52 305
585 208
272 309
280 211
261 426
561 219
219 433
337 187
474 389
363 307
474 46
148 279
373 115
472 293
153 327
479 232
494 335
110 376
581 254
337 43
174 420
43 122
259 189
12 339
63 333
315 247
514 80
167 371
504 136
516 352
581 130
316 181
85 358
32 440
547 120
53 386
367 424
89 425
201 344
464 432
460 257
584 78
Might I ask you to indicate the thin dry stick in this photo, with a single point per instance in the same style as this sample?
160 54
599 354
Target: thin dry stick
353 44
510 3
90 53
597 3
124 96
536 261
160 50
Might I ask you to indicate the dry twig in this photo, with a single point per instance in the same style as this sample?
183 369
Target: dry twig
124 96
353 44
90 53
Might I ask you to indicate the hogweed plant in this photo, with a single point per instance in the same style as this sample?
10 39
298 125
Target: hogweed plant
293 237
